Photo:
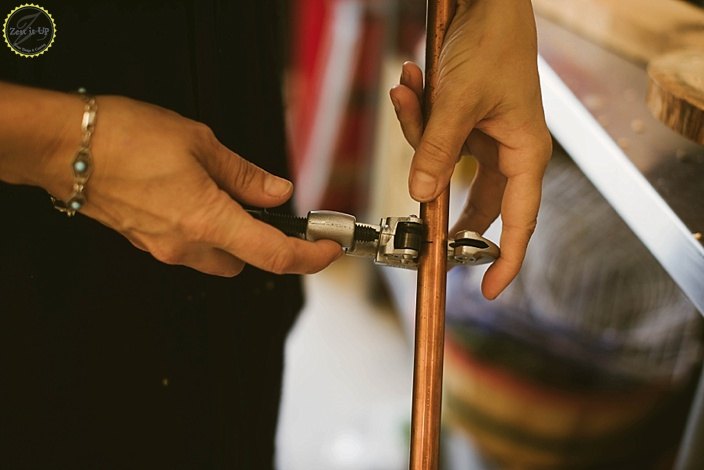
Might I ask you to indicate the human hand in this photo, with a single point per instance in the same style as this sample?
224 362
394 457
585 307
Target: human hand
488 103
168 185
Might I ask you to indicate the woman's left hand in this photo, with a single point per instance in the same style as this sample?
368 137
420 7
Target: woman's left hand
488 103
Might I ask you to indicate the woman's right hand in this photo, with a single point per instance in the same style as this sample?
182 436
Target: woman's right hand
171 188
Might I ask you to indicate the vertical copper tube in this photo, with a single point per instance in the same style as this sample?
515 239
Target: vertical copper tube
432 278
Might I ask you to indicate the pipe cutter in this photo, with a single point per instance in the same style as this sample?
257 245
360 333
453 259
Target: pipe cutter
396 241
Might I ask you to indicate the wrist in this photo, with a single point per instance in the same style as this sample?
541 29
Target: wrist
40 133
82 165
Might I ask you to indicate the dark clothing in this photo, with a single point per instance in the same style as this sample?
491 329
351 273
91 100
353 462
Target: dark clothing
108 358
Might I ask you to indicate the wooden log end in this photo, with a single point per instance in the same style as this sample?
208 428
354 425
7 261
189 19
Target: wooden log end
676 92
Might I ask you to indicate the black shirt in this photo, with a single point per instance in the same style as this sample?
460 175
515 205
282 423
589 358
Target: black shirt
108 358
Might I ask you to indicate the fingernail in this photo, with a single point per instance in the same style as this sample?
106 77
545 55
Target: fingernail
277 187
404 75
423 186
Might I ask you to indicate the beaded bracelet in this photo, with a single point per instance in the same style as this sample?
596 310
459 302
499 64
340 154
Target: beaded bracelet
83 162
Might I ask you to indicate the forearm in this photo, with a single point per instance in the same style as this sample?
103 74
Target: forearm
37 128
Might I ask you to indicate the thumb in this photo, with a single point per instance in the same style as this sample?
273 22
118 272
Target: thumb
245 181
436 156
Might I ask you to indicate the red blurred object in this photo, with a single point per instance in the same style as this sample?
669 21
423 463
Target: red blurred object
336 52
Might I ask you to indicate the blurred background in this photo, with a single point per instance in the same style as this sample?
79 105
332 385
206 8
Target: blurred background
591 358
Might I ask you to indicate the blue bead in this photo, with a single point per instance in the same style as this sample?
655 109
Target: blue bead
75 205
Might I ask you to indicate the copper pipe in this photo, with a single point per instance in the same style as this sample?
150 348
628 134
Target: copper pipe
432 280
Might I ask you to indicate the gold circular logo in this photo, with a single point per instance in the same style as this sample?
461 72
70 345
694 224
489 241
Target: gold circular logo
29 30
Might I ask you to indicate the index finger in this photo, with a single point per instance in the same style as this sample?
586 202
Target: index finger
267 248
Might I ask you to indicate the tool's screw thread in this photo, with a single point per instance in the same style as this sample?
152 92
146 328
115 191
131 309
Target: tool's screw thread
365 233
289 224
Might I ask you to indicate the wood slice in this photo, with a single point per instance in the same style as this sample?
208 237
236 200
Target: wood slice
676 92
640 30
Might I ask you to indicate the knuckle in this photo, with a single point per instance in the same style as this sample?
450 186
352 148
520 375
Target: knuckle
167 253
542 143
204 135
530 229
436 154
196 229
282 260
204 130
542 140
527 228
246 174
